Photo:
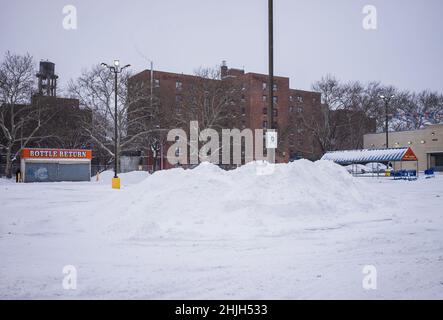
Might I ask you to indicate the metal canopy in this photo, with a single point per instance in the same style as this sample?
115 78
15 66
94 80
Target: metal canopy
370 155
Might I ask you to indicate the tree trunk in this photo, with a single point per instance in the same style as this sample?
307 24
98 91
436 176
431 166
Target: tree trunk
8 168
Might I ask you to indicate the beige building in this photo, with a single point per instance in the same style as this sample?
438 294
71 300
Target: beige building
426 143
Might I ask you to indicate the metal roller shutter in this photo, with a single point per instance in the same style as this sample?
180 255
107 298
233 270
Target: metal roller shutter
54 172
74 172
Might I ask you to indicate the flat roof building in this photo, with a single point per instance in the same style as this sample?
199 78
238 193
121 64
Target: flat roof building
427 144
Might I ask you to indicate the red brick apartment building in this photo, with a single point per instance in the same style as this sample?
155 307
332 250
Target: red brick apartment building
294 110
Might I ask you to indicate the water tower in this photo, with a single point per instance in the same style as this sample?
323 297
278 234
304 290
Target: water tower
47 79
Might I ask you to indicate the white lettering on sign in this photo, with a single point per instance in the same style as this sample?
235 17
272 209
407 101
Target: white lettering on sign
77 154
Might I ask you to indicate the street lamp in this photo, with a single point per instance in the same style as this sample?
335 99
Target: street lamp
387 99
116 69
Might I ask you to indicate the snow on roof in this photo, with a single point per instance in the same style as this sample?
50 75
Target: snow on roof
370 155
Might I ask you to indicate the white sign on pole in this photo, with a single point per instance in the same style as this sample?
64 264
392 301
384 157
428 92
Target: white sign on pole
271 140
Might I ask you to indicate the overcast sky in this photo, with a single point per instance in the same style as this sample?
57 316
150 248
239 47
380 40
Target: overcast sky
312 37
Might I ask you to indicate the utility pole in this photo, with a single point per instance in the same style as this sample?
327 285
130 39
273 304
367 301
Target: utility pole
271 134
271 65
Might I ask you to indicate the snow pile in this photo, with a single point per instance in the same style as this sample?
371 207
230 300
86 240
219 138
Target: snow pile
210 203
127 178
6 180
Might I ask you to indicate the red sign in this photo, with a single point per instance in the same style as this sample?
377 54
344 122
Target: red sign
56 154
409 155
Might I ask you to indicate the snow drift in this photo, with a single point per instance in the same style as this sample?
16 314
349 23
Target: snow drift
210 203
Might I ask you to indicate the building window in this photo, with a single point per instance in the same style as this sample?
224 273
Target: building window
265 110
275 112
275 99
300 109
264 85
265 124
275 87
291 108
243 111
264 98
178 85
300 99
243 99
157 83
291 98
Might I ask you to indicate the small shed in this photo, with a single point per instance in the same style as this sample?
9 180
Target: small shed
372 156
54 165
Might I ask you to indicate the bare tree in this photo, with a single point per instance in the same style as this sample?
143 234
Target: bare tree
135 111
418 110
213 102
64 130
19 120
351 110
361 108
320 122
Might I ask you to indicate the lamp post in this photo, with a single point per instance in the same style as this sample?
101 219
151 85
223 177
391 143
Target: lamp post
116 69
387 99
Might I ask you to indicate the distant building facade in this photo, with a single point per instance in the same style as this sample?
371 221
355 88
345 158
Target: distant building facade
252 104
295 111
427 144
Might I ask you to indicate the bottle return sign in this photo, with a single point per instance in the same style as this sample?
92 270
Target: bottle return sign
53 165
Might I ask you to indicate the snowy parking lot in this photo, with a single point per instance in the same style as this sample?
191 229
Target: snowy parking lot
300 231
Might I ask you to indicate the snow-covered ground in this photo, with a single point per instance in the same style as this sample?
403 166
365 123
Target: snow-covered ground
304 231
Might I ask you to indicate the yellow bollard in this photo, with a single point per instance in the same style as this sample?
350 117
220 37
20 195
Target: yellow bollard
115 183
